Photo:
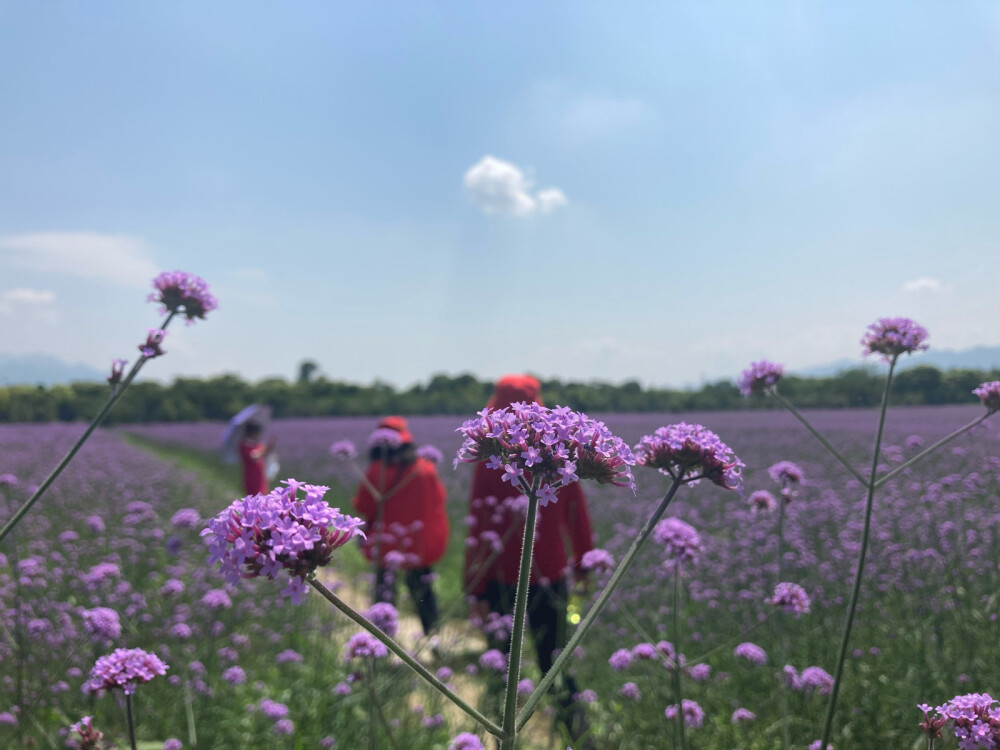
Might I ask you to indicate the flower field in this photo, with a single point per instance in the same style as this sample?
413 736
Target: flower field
120 531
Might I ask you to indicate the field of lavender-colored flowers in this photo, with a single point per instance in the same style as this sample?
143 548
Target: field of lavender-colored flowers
927 628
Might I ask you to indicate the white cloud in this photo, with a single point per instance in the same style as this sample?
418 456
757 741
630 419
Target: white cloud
24 301
923 284
117 259
499 187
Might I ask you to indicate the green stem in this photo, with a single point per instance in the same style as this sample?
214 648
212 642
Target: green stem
678 694
509 740
130 719
826 443
948 438
189 712
856 592
782 635
94 424
561 662
412 663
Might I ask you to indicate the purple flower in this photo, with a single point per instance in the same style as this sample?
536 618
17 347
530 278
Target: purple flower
620 659
235 676
102 623
525 687
125 669
430 453
172 744
759 377
989 394
364 645
217 599
8 480
785 473
680 541
761 501
272 709
751 652
630 691
694 716
974 718
892 337
262 534
557 446
792 597
344 449
87 737
185 518
176 290
690 452
384 437
117 371
818 745
816 678
284 726
742 714
466 741
699 672
7 719
287 656
493 659
385 617
152 347
597 559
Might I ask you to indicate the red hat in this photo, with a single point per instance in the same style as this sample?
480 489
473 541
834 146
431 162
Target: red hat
511 388
399 425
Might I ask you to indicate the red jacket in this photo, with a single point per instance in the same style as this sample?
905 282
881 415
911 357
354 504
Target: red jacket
493 524
412 513
254 477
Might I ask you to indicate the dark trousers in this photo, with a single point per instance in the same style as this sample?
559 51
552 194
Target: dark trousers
419 584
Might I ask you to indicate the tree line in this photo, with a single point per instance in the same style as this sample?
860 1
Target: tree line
190 399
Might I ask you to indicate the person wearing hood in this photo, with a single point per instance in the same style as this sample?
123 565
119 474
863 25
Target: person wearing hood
493 555
401 499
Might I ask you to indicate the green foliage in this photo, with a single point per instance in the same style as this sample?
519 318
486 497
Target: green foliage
218 398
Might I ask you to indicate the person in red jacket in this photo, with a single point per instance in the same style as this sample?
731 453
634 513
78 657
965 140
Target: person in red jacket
402 500
253 456
493 553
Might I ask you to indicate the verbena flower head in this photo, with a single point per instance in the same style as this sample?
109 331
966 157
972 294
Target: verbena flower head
384 437
124 668
261 535
751 652
466 741
87 738
792 597
555 446
816 678
183 292
690 452
364 645
343 449
694 715
989 394
597 559
385 617
117 371
785 472
762 501
892 337
680 541
151 348
430 453
975 720
102 623
743 714
759 376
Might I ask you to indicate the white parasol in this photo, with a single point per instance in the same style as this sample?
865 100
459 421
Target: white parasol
231 436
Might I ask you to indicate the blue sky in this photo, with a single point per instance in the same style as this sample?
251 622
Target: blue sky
586 190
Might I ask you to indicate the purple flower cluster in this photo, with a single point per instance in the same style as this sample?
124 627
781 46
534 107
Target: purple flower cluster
555 446
154 337
385 617
102 623
466 741
975 719
597 559
694 715
364 645
762 501
344 449
124 668
681 543
383 437
743 714
791 597
691 452
87 738
989 394
261 535
785 473
892 337
430 453
176 290
751 652
759 376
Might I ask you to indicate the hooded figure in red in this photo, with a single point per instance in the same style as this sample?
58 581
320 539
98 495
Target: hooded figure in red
493 554
402 501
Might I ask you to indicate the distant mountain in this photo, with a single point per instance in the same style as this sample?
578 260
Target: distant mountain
43 369
976 358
